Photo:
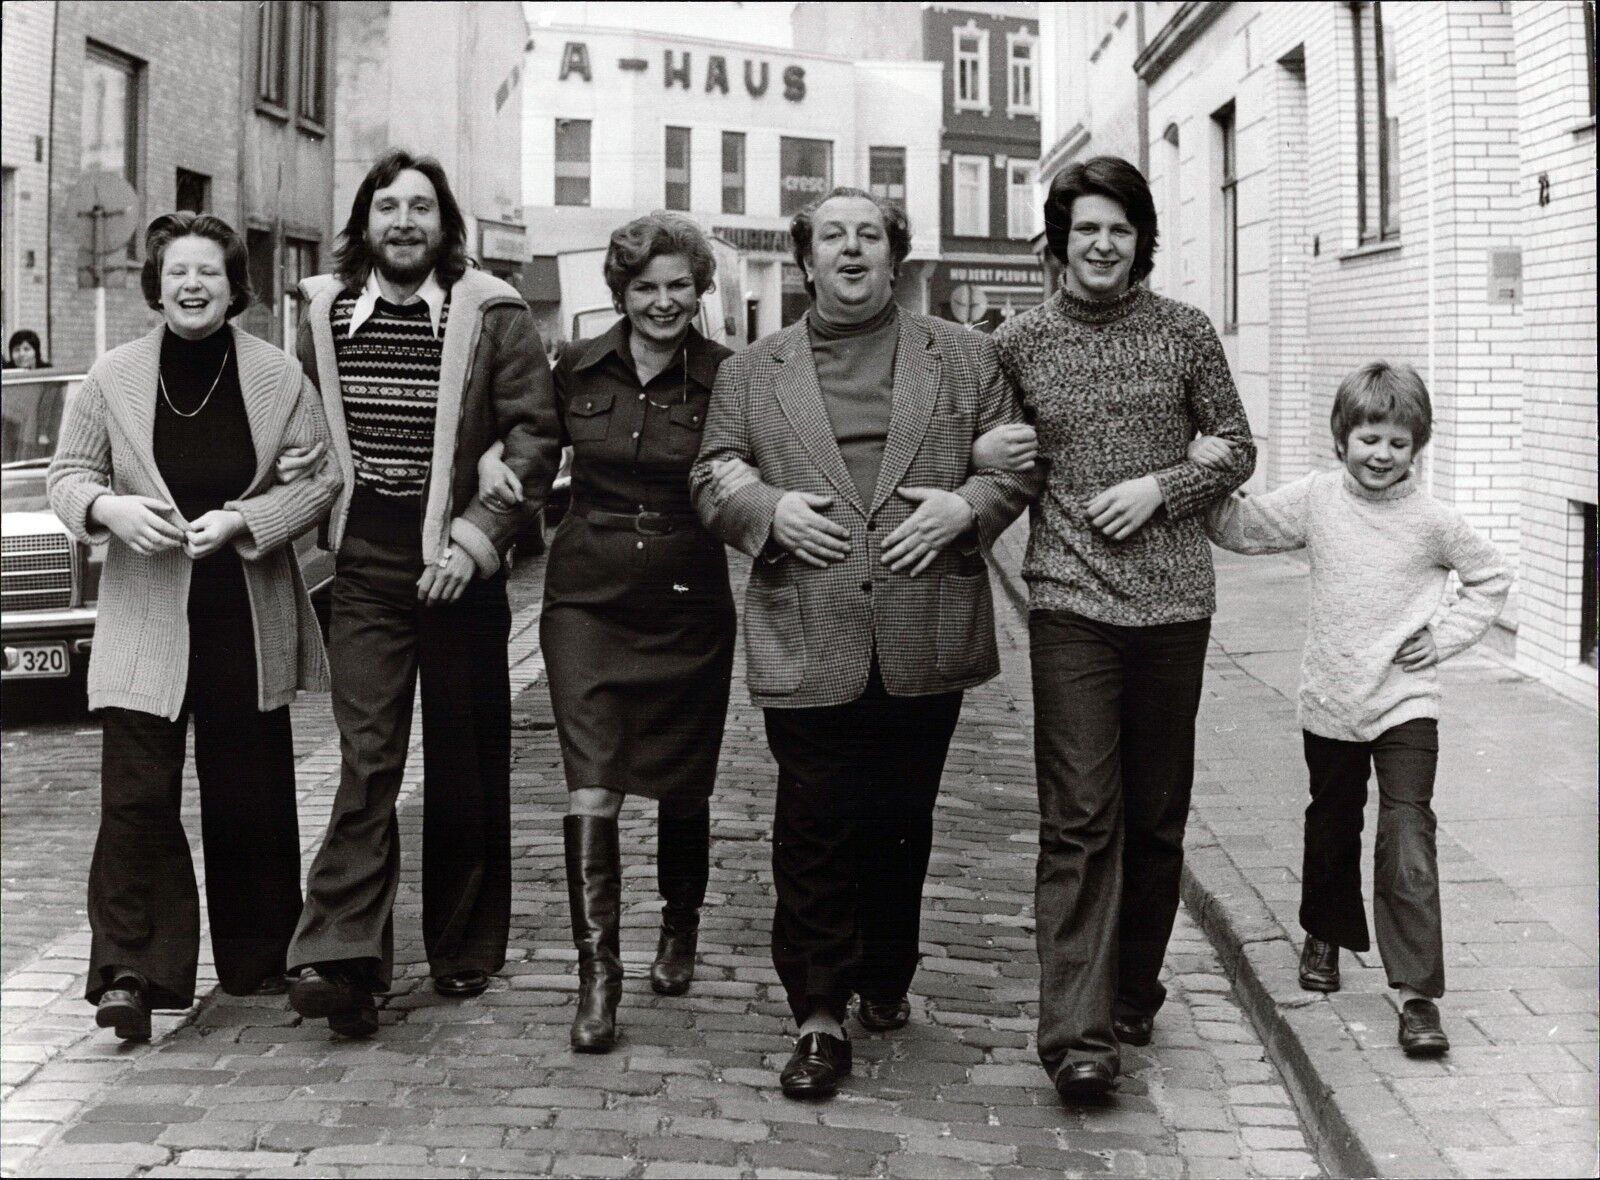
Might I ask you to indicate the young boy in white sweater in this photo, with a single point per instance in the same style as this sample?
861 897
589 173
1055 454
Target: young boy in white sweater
1381 553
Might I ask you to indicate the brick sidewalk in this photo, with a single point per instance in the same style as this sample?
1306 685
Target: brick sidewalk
490 1087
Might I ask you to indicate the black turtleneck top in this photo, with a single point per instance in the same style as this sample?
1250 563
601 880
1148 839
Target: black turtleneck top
855 368
209 458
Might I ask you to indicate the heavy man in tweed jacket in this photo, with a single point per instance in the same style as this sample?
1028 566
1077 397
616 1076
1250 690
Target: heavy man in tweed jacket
868 609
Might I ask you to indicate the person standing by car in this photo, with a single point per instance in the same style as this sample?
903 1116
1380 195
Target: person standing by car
167 451
23 350
423 362
638 626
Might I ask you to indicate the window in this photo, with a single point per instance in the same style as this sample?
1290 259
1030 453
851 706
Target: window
1021 175
1228 155
191 191
313 54
972 68
263 267
111 121
1377 131
572 161
1020 98
678 168
886 174
805 172
970 177
1589 627
299 264
272 52
733 172
1588 47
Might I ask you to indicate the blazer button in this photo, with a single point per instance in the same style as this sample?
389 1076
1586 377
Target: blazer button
866 587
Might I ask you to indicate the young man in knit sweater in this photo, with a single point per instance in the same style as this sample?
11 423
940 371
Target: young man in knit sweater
1381 551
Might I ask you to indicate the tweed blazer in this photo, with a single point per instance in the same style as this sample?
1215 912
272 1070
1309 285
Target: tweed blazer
494 384
140 658
810 633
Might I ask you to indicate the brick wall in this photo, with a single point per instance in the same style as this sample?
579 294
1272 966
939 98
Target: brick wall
25 151
188 99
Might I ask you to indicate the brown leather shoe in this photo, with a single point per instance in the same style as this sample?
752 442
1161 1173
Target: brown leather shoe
1421 1034
1319 966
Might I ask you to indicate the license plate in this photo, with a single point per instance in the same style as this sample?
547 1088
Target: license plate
36 660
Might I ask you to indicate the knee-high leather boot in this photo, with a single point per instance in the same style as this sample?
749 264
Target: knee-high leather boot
594 893
683 854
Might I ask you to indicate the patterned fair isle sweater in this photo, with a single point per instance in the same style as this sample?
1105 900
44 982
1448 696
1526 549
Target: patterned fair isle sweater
1379 565
389 384
1117 390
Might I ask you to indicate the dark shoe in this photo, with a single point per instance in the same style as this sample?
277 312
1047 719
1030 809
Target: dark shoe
1319 966
123 1009
462 985
326 991
673 969
594 894
1133 1030
274 985
1083 1081
883 1015
1421 1034
360 1021
818 1062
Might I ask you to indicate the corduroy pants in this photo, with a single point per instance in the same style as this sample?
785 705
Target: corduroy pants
381 641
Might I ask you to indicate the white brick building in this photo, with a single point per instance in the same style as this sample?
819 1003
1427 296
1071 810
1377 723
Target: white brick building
1343 181
25 55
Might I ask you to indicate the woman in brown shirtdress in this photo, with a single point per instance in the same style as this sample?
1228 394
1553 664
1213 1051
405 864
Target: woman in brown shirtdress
638 624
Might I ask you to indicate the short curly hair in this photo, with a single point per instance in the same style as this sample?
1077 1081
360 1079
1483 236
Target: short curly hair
1381 391
895 223
1115 179
658 235
168 228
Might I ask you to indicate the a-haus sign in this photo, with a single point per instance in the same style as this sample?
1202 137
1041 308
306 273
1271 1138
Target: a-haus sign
677 69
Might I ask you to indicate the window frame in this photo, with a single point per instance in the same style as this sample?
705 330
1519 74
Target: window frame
1027 192
887 153
1387 209
667 169
1226 121
313 65
979 103
132 129
800 202
178 180
739 141
985 218
1013 107
568 169
273 32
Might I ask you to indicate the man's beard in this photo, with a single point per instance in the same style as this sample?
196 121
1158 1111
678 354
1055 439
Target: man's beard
406 273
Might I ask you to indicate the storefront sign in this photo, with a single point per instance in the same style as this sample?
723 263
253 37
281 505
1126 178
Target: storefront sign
805 171
1008 276
503 243
677 69
761 241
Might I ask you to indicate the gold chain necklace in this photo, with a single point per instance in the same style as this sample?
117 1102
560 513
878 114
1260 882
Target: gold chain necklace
167 397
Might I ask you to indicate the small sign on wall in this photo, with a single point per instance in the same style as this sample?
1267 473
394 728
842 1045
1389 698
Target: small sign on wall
1505 274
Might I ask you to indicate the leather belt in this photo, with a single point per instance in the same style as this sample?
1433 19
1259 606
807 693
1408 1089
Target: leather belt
649 524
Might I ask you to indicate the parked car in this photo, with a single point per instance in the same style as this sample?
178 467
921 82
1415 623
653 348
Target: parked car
49 582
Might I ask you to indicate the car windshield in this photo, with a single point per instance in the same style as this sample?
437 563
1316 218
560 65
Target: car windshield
30 419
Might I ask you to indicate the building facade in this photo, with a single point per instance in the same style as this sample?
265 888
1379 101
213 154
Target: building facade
1344 181
989 143
740 137
26 54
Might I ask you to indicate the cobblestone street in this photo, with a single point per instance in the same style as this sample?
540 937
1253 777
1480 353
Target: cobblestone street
240 1086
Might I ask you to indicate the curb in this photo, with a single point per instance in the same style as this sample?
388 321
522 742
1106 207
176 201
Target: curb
1356 1124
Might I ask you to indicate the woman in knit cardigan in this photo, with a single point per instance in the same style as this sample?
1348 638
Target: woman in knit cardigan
167 454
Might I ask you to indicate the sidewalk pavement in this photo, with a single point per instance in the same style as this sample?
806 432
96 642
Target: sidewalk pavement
1516 801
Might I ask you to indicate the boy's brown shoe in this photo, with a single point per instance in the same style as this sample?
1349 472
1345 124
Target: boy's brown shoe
1319 966
1421 1034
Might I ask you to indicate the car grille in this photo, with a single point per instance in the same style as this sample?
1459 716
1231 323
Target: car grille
35 572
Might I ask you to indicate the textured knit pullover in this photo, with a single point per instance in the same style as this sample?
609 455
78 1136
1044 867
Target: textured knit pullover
1379 565
1117 390
389 377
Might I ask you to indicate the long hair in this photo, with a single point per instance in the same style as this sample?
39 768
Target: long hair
353 259
1117 180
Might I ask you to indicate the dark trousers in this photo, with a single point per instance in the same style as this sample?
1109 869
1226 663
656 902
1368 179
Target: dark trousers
851 837
1405 887
381 639
144 907
1114 711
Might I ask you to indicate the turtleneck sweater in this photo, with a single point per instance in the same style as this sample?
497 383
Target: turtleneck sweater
1117 390
1380 562
855 368
202 445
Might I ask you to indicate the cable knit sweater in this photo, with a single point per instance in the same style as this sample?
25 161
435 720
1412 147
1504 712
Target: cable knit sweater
1379 565
1116 391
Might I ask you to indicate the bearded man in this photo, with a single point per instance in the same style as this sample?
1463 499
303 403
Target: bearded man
424 363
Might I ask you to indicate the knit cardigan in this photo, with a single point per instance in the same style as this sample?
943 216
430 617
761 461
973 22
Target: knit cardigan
140 658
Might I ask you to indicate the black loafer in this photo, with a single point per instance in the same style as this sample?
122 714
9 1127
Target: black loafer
122 1008
814 1069
274 985
462 985
360 1021
883 1015
1421 1034
1319 966
1084 1081
326 992
1133 1030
